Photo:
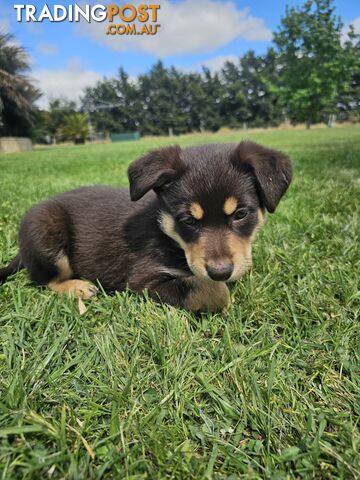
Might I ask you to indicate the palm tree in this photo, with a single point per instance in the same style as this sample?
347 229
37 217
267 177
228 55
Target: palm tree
17 94
75 128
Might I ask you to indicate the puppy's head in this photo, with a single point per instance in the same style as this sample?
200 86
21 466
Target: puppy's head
213 199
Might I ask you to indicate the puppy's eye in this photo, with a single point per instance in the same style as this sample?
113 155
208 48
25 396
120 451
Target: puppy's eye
240 214
188 220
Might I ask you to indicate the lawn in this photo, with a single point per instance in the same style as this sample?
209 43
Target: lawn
131 389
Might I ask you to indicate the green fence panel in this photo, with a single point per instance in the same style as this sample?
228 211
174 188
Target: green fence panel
122 137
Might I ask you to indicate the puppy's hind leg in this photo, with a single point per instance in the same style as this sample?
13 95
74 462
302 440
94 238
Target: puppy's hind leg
80 289
46 240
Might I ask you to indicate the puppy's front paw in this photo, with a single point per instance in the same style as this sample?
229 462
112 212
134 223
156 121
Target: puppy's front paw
208 296
84 289
76 288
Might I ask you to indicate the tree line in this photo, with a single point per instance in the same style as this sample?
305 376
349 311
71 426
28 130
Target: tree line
310 74
166 99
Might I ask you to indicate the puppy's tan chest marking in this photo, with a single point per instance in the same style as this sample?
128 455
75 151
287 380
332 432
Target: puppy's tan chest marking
167 225
230 205
261 218
196 210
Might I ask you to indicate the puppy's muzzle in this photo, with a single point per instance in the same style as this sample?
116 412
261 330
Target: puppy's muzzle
220 271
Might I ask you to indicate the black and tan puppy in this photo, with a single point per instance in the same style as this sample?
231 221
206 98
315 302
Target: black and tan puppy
185 229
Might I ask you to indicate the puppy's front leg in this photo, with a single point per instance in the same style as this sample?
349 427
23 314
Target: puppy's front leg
192 293
207 295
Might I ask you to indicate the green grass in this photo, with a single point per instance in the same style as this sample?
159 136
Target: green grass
271 389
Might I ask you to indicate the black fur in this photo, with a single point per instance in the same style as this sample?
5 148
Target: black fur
13 267
117 239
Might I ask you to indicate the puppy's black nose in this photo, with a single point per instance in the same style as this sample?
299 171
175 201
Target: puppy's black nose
220 271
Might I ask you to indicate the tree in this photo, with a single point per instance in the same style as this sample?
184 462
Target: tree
41 131
258 74
213 92
113 104
200 101
17 93
161 93
315 68
234 102
349 98
75 128
247 91
48 122
59 110
101 101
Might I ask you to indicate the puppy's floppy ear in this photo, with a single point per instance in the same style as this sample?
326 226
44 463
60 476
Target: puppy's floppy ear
272 170
154 170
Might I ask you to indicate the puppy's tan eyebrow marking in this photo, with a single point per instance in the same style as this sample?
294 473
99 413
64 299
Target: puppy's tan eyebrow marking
230 205
196 210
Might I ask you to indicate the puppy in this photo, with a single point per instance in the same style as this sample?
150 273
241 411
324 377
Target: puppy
185 229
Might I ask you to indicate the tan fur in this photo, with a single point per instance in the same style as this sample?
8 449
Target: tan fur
260 224
194 252
167 225
195 256
261 218
76 288
240 249
196 210
207 296
63 265
230 205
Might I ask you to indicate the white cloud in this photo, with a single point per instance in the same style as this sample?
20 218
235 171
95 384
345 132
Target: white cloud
69 82
47 48
75 63
355 23
216 63
188 26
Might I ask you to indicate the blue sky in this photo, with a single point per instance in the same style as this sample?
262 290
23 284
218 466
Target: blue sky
67 56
